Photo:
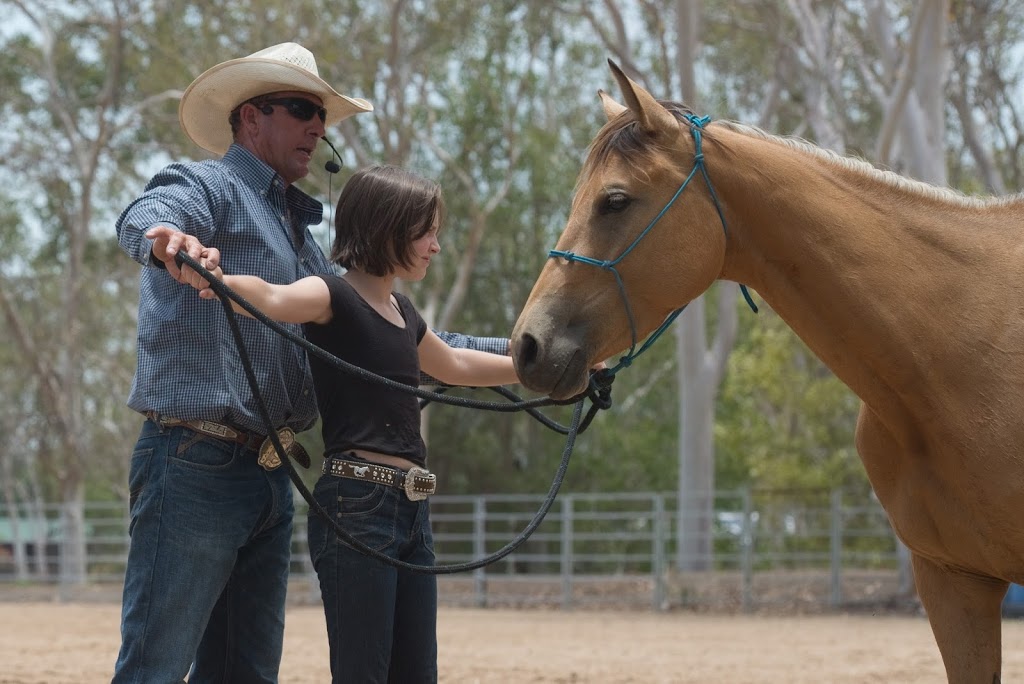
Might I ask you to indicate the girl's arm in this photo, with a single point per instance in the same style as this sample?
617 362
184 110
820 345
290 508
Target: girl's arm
305 301
466 367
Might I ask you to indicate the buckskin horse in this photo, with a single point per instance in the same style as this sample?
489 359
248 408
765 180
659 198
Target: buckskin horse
913 295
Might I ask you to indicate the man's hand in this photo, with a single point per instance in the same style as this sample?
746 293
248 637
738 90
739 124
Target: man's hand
166 244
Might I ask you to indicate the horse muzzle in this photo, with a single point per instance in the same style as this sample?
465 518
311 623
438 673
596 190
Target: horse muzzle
549 360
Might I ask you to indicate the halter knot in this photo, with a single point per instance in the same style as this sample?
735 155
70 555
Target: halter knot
600 391
698 121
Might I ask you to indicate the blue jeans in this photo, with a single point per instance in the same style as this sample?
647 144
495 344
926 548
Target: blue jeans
208 562
381 621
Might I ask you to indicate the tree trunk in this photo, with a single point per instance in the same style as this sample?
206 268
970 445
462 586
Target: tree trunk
696 486
72 539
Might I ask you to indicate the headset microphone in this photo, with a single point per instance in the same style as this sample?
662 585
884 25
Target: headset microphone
332 166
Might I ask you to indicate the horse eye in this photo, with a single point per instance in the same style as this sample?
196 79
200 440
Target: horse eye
614 202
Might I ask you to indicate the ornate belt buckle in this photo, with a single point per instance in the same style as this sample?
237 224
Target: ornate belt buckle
411 492
269 458
208 427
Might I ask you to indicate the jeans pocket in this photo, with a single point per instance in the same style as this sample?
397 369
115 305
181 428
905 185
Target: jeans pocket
318 528
138 477
426 532
367 512
198 451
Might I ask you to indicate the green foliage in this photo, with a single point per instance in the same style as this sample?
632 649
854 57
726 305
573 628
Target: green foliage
784 420
466 92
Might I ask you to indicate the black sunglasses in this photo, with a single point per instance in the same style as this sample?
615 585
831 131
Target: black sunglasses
300 108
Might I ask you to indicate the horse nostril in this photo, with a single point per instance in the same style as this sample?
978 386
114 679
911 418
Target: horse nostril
527 349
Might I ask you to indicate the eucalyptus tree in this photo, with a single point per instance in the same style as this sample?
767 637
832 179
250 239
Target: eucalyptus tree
849 76
487 98
986 138
481 96
785 421
91 92
64 70
19 485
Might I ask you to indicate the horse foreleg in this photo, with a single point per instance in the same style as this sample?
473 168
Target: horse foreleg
964 613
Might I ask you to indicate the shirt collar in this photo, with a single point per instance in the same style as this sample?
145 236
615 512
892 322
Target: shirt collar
262 178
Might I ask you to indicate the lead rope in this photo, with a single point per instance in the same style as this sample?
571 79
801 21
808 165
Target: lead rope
599 391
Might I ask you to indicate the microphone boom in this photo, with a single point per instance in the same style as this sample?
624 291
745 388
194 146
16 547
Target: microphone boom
332 166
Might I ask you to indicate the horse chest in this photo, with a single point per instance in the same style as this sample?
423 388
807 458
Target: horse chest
954 515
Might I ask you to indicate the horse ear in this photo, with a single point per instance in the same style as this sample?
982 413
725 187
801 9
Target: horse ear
654 119
611 108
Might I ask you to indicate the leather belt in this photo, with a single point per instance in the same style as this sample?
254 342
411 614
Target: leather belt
210 429
268 457
417 483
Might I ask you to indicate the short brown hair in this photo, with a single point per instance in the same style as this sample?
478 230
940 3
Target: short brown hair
381 211
235 116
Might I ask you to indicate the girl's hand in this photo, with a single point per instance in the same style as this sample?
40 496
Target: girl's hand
207 292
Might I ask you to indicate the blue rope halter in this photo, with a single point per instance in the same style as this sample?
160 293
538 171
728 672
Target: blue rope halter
697 125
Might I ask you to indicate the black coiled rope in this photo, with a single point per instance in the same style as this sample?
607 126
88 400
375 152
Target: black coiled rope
599 393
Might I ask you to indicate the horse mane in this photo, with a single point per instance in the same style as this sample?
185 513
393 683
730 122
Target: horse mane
622 136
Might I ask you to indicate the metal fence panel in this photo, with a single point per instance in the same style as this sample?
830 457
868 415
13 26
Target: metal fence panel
802 550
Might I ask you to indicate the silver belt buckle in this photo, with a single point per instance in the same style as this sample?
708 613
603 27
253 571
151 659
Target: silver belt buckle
410 483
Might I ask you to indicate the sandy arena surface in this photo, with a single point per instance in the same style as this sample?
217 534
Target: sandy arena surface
52 643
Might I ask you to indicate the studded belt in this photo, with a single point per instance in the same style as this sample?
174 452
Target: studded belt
417 483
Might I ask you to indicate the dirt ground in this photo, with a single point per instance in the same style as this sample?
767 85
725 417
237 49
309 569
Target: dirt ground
58 643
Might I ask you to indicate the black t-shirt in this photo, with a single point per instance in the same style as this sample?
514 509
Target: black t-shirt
357 413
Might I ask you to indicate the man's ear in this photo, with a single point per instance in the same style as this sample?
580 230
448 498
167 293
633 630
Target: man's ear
248 117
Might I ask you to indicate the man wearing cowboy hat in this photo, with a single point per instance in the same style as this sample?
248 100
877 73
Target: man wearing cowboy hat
211 517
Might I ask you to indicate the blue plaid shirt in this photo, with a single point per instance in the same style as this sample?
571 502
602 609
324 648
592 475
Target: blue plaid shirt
188 366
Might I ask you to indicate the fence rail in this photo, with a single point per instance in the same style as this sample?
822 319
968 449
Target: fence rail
762 549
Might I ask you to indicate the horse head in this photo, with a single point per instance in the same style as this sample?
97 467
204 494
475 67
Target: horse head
631 252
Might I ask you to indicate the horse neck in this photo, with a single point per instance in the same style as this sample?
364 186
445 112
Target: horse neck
866 272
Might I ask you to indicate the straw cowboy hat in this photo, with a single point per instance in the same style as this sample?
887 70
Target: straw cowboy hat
207 102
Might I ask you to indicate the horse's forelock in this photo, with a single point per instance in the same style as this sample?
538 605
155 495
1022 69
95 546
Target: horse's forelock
622 137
